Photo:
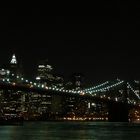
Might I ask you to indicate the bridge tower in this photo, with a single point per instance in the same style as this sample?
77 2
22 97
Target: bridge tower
118 111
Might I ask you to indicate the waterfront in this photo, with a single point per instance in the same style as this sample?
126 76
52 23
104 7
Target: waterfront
71 131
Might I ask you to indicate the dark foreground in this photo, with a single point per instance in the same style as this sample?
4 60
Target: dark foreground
71 131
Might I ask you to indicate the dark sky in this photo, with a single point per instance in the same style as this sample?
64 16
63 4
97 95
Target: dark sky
102 46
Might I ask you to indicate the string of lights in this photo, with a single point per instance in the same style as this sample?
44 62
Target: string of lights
42 86
106 88
91 91
129 86
95 87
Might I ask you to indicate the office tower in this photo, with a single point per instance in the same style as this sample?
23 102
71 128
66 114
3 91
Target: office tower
44 73
15 69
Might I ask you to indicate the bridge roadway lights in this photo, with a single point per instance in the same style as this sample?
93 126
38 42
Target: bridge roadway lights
118 112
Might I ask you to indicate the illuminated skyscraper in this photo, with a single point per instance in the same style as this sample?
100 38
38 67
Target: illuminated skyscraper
15 68
13 65
44 73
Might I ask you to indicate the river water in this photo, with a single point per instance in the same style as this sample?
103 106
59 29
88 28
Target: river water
71 131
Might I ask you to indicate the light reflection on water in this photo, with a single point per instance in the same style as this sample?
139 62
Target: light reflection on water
71 131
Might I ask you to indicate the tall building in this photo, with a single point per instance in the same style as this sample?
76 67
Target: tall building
13 64
15 68
44 73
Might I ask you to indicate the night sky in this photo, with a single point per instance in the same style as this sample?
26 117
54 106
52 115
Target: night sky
103 46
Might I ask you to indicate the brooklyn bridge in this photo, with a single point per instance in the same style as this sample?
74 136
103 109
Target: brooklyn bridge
116 100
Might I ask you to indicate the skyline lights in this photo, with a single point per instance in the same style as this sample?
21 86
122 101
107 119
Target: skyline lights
92 91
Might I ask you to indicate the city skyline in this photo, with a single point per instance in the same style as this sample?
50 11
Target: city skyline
48 97
70 76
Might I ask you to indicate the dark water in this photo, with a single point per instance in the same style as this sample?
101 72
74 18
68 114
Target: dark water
71 131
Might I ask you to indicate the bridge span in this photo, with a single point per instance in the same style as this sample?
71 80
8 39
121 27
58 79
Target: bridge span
113 99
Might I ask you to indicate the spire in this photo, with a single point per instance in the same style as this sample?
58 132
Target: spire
13 60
